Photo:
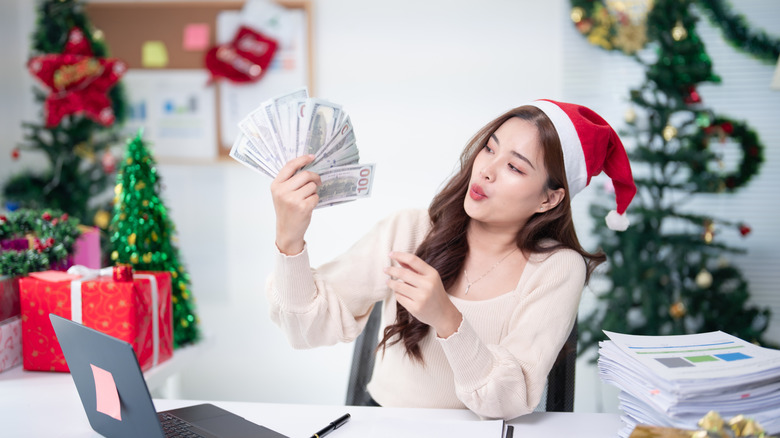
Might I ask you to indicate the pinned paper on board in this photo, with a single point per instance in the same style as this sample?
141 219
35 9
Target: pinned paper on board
106 395
196 36
154 54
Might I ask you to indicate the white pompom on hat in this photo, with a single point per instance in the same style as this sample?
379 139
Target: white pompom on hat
591 146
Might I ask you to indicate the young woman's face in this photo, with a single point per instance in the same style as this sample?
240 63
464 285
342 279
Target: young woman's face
508 181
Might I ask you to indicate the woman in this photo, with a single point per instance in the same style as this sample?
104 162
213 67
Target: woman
480 292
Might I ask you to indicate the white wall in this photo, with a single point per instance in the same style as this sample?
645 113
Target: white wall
418 78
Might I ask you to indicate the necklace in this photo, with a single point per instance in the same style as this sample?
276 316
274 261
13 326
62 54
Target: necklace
470 283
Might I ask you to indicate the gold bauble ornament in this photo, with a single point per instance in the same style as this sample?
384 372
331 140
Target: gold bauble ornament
131 239
669 132
630 115
709 232
704 279
102 219
576 14
678 32
83 150
677 310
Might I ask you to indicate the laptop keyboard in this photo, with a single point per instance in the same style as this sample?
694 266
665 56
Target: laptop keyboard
175 427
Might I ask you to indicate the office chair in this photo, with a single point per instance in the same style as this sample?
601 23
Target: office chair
558 396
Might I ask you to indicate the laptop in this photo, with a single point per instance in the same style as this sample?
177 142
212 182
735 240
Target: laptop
117 401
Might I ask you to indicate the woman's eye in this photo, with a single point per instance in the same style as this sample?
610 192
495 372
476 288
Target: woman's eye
515 169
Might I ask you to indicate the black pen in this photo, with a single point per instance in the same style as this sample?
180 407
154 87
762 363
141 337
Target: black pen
332 426
510 431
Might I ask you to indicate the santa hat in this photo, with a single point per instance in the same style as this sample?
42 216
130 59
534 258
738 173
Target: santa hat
591 146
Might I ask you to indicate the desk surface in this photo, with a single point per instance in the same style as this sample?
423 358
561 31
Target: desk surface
47 404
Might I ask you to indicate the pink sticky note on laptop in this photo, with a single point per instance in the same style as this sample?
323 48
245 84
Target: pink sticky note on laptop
105 393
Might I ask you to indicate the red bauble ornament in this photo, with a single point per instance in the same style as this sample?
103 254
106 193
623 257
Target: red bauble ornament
108 161
79 82
46 216
744 230
692 96
245 59
15 153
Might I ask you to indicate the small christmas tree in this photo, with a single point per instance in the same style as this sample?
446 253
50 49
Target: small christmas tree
82 108
141 234
669 273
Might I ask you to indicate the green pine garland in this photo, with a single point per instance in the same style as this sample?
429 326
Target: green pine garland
53 234
759 44
142 234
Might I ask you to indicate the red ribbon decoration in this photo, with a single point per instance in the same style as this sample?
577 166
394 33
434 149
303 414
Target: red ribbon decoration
243 60
123 272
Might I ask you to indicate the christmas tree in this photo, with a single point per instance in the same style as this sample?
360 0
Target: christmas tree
669 273
82 108
142 233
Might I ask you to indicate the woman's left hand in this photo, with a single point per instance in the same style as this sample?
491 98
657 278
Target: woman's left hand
419 289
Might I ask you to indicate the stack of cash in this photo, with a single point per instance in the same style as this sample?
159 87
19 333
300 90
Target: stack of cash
295 124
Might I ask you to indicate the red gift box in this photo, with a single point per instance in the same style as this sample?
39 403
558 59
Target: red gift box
10 343
9 297
123 309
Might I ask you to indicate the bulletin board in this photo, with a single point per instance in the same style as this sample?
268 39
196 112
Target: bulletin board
199 118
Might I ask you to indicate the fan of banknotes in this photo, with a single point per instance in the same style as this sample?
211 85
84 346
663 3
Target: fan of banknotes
295 124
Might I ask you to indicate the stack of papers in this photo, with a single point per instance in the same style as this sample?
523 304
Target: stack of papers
673 381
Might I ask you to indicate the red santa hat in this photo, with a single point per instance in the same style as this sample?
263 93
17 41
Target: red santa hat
591 146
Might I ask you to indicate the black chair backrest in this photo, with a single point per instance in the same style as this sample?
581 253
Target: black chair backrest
560 381
363 360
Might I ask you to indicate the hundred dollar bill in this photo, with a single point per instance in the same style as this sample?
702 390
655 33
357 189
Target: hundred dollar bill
347 183
240 152
316 126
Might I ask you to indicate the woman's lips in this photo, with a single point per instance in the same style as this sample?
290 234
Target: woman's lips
476 192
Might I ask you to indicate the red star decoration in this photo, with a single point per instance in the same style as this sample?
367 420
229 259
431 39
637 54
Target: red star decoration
79 82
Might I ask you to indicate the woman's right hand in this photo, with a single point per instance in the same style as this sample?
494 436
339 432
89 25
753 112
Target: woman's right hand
295 196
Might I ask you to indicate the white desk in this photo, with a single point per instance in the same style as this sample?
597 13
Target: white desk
43 404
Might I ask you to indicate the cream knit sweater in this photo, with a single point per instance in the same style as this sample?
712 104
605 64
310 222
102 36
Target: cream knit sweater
496 364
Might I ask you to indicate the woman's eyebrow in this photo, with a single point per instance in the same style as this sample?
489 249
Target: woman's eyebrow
516 154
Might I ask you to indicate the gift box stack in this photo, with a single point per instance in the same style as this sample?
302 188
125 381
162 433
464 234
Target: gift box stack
18 240
132 306
10 324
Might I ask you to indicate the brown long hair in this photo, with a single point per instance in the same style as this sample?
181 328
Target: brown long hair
445 246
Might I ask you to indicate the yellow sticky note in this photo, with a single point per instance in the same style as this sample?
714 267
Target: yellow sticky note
154 54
